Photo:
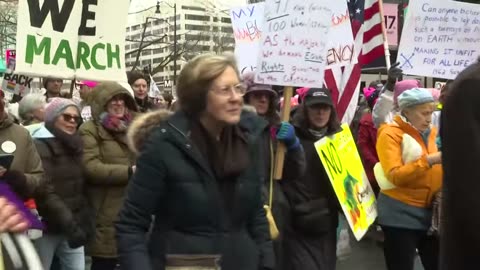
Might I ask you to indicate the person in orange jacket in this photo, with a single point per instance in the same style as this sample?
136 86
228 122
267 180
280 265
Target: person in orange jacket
410 177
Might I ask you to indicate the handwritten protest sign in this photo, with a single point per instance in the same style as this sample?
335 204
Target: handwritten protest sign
14 83
440 38
247 22
343 165
294 43
248 26
72 39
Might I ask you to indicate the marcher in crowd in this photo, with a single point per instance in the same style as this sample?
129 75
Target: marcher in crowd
198 173
25 174
139 84
31 109
69 219
412 172
168 100
54 88
367 138
264 99
86 88
109 164
460 125
311 241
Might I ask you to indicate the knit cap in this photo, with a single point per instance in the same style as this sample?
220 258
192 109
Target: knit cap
249 80
414 97
403 86
56 107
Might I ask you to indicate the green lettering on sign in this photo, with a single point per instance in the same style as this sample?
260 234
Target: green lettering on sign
38 49
83 52
113 55
64 52
93 56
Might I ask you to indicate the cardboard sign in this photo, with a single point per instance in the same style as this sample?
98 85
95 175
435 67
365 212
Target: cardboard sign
248 27
72 39
343 165
293 46
440 38
390 15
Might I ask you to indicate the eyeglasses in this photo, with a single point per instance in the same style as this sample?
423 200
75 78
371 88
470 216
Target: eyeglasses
68 117
239 89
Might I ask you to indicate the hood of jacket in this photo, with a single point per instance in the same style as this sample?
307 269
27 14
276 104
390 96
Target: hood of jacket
7 121
142 127
103 93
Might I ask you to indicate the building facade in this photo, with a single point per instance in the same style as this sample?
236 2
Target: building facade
201 26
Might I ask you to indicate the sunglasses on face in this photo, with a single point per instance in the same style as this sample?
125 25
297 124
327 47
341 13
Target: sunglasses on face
68 117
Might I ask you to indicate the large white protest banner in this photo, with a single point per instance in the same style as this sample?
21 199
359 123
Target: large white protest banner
72 39
293 46
440 38
248 26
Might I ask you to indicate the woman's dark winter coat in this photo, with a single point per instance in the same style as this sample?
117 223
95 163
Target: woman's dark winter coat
71 214
311 240
175 183
460 133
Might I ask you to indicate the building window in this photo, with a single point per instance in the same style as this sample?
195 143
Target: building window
135 46
226 20
135 27
197 27
193 8
171 27
147 52
136 36
127 47
157 32
178 37
146 62
197 37
157 60
215 28
227 29
197 18
157 51
228 40
206 48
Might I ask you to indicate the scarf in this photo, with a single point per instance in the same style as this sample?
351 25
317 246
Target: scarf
318 134
73 143
228 157
115 124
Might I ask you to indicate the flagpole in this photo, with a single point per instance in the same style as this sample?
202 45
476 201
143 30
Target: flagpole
384 34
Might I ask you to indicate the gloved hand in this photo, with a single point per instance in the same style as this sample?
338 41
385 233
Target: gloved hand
394 73
76 237
286 134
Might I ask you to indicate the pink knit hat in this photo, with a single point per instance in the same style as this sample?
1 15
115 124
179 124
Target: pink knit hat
435 93
90 84
403 86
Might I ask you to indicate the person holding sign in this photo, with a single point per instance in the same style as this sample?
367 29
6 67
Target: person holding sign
409 175
264 99
311 241
199 173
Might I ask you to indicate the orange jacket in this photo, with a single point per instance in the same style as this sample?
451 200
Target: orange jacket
415 182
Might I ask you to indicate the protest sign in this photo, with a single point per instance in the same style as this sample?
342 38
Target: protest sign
14 83
293 46
72 39
343 165
440 38
390 15
10 58
247 22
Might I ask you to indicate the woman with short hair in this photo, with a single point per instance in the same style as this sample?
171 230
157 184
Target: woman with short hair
31 109
199 173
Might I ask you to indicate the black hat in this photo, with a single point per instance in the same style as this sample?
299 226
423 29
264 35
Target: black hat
318 96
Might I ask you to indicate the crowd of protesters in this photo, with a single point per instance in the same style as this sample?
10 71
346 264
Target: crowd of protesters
132 180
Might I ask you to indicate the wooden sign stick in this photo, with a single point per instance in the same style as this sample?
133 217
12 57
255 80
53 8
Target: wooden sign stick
281 149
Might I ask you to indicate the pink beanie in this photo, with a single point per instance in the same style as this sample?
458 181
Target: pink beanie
90 84
435 93
403 86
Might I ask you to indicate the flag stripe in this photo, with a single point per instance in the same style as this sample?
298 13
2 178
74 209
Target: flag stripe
372 33
371 12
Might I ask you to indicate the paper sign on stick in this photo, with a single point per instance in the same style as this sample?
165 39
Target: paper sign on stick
440 38
72 39
293 46
343 165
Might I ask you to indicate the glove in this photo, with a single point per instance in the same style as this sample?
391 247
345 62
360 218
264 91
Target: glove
76 237
394 73
286 134
18 182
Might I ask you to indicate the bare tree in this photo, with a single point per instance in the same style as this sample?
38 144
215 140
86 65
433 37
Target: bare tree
8 24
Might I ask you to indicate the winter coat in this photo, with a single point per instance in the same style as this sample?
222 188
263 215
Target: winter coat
460 133
26 172
310 241
367 141
414 183
174 183
384 110
64 172
107 161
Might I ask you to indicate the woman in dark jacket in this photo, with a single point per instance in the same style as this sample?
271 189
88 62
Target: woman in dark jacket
139 84
60 148
311 241
264 99
199 173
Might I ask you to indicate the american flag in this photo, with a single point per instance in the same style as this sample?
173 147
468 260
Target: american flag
367 32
